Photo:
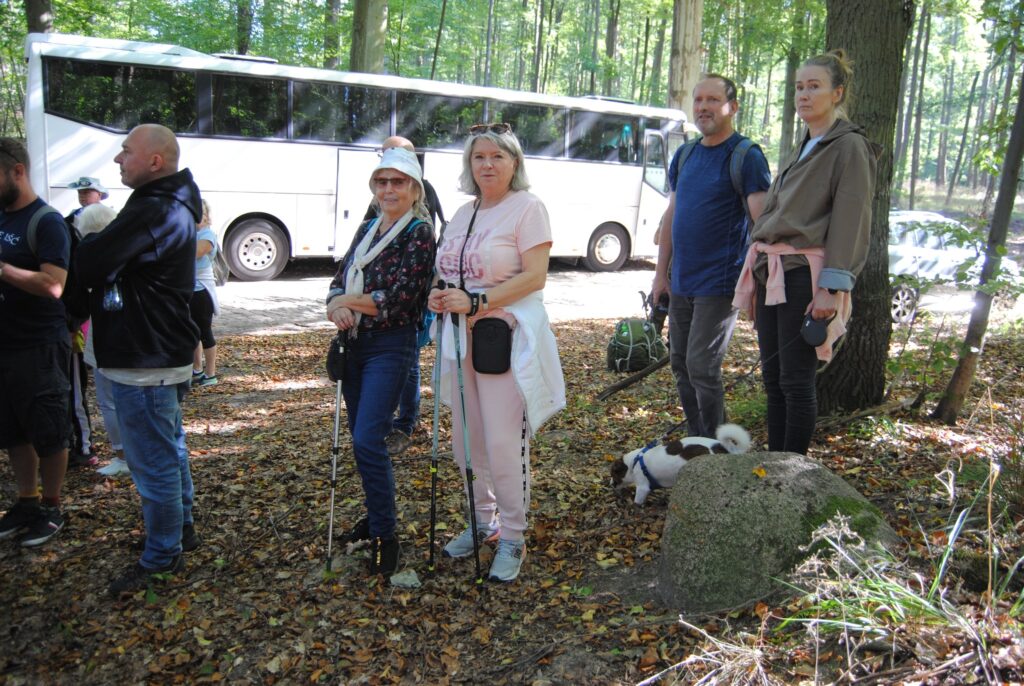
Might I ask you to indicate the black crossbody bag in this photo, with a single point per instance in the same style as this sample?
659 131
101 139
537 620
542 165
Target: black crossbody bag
492 336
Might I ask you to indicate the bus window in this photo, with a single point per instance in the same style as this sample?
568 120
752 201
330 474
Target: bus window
434 121
654 163
540 130
604 137
120 96
250 107
338 113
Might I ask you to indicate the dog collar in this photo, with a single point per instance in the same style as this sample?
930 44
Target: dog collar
639 460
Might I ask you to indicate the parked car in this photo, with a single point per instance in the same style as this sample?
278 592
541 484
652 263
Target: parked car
922 249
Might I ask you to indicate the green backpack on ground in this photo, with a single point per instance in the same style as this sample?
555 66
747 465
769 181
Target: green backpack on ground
634 345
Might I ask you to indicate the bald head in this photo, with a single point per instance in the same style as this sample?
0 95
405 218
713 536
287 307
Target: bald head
397 142
149 152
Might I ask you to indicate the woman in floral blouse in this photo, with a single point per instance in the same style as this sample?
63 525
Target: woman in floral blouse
377 297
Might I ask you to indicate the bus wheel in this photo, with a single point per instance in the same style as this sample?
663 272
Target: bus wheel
256 250
608 249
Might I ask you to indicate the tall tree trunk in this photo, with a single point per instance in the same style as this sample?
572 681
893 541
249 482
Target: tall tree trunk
520 44
611 40
946 117
643 62
39 16
979 125
369 31
915 158
489 45
901 153
538 45
873 31
332 37
243 26
659 55
596 28
955 177
952 400
684 65
901 112
797 39
1011 73
437 41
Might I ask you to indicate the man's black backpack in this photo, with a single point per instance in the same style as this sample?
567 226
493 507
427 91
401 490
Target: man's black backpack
739 154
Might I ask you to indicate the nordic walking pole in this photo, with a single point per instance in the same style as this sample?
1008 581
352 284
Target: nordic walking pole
436 382
465 447
334 467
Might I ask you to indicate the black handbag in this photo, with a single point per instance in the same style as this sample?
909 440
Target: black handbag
492 346
336 358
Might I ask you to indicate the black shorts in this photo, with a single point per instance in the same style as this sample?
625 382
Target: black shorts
34 391
201 310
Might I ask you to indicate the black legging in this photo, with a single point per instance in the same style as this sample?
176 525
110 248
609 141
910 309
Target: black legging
788 365
201 310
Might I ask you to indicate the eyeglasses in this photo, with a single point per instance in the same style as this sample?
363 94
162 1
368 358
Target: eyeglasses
396 182
498 128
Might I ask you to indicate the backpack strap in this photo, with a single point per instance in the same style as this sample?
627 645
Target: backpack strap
33 226
684 154
739 154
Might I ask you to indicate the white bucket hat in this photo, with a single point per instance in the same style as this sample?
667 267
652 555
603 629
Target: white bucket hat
401 160
89 183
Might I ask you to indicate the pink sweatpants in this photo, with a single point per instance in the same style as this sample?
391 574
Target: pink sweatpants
501 471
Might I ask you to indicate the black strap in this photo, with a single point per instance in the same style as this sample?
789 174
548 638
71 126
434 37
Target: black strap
639 460
462 253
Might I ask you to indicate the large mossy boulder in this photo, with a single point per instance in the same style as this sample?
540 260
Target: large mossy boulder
736 523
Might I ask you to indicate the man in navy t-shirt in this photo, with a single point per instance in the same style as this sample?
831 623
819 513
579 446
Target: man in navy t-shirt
703 237
34 350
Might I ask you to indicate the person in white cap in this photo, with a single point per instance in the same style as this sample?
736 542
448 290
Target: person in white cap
377 299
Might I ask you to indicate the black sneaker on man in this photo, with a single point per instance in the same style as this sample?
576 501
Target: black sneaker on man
190 540
19 517
384 555
138 577
397 442
49 521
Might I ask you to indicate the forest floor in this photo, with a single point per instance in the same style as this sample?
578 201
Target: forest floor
256 606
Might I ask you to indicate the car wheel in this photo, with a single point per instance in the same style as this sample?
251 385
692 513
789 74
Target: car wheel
904 303
608 249
257 250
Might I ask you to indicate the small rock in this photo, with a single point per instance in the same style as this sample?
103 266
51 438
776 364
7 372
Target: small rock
407 578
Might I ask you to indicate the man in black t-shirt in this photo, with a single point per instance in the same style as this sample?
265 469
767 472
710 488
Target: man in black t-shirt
34 350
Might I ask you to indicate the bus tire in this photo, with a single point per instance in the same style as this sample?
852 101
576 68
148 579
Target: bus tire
608 249
256 250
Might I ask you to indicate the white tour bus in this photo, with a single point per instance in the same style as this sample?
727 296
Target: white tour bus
283 154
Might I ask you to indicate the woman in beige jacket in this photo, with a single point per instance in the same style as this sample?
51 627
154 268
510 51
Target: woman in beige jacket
808 247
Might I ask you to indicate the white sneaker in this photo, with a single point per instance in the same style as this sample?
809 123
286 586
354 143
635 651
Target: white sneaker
117 467
508 560
462 545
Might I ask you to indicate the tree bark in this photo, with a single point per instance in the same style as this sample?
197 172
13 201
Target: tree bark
874 32
915 157
369 30
659 55
901 111
901 152
332 37
955 177
643 60
596 28
611 41
952 400
437 41
489 46
797 39
39 16
538 45
1011 73
685 62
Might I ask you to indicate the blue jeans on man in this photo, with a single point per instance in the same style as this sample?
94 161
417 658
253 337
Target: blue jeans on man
409 402
376 369
700 328
154 446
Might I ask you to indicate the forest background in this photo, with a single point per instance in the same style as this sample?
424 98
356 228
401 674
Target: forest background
956 92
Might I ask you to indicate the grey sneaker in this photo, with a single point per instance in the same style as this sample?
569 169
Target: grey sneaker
462 545
508 560
397 441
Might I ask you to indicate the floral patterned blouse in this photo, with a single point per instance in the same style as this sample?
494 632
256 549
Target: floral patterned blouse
398 279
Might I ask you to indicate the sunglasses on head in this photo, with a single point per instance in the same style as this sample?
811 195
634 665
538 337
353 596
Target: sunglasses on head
499 128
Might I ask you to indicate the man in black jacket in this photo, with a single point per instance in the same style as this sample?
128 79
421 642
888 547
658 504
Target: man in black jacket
141 269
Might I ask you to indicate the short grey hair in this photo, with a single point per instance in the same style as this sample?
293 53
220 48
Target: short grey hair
94 218
505 141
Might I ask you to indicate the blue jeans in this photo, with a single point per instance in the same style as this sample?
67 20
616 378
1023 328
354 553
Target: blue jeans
376 369
788 365
699 332
154 447
409 402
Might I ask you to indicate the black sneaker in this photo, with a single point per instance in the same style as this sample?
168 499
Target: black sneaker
384 554
49 521
397 442
190 540
20 517
138 577
360 532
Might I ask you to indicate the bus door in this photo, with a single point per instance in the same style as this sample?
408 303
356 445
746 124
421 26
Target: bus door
653 193
352 195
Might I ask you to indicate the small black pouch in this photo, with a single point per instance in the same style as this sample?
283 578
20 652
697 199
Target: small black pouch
492 346
336 358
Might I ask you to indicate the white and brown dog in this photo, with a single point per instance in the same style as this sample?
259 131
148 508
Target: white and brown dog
657 465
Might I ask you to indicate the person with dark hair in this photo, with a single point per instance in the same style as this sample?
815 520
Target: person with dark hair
377 298
141 269
494 258
702 238
808 247
34 350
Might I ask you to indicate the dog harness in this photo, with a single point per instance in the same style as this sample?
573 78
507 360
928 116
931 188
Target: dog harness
639 460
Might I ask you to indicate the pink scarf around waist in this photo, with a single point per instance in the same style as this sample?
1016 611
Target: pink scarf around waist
745 296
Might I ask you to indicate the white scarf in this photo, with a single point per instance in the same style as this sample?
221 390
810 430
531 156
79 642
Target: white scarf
364 255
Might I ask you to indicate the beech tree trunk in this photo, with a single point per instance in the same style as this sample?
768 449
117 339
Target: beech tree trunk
901 152
39 16
873 31
798 36
611 41
915 157
659 53
685 62
952 400
955 177
369 30
332 37
437 40
1011 74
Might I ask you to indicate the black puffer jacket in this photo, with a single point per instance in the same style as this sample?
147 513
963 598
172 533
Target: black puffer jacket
149 250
